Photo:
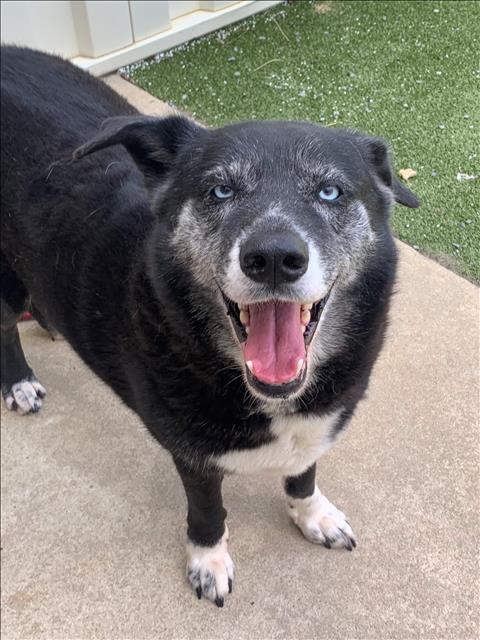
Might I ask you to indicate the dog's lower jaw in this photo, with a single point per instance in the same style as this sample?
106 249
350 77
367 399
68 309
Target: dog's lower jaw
321 522
210 570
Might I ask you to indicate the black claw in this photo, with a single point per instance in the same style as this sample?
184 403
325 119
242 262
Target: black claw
329 542
219 602
198 591
354 544
347 541
230 585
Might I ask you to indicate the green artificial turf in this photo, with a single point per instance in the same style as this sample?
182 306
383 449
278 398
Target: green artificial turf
408 71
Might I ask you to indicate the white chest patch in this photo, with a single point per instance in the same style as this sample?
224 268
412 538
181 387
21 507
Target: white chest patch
299 441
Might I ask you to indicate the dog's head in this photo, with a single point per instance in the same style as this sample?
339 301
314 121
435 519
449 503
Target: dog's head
272 219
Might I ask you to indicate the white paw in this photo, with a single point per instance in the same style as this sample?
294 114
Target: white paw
25 396
321 522
210 570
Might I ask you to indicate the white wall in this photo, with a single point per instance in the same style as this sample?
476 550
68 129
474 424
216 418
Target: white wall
149 18
102 26
103 35
46 25
182 7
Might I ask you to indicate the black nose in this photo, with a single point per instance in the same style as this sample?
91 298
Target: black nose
274 258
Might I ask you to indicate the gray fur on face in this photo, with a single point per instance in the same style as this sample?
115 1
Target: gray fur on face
276 181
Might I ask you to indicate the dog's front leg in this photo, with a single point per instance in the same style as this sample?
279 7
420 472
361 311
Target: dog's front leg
210 569
21 390
316 517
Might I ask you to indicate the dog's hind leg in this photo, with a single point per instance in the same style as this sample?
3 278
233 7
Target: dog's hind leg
44 323
20 389
316 517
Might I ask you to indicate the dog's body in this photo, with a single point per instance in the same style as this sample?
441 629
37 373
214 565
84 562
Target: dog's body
137 252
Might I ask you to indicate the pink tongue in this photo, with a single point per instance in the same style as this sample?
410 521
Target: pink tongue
275 341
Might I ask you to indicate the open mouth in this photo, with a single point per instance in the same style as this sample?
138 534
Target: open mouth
275 337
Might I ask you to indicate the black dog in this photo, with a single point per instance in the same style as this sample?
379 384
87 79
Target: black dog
231 285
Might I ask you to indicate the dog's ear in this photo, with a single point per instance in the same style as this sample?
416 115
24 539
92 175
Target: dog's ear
152 142
376 153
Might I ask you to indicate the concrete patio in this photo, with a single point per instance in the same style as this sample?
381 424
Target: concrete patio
93 515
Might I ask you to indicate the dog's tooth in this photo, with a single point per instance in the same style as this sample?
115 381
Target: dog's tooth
305 316
299 366
244 317
247 330
243 307
249 364
307 307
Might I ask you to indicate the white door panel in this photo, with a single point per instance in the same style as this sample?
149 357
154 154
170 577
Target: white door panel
102 26
181 7
148 18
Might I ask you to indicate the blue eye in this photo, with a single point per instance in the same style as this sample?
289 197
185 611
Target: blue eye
330 193
222 192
